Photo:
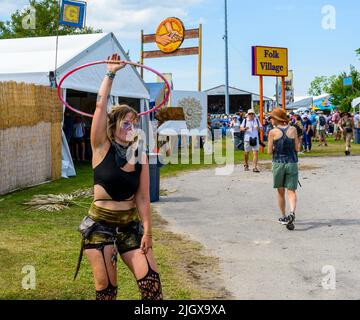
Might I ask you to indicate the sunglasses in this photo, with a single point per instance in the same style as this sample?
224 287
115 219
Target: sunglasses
128 125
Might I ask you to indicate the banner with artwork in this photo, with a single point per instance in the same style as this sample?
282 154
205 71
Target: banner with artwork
289 88
194 105
323 103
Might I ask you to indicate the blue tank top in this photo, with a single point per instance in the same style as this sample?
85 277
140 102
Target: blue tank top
284 149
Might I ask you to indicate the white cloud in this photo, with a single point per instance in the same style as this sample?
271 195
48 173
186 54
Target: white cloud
124 17
8 7
127 17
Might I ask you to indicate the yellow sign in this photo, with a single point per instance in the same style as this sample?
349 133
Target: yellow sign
170 35
71 13
270 61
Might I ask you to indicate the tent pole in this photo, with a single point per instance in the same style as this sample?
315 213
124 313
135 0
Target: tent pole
57 43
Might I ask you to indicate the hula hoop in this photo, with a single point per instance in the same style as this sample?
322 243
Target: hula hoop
166 99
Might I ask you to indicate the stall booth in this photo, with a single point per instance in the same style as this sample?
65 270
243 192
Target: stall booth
32 60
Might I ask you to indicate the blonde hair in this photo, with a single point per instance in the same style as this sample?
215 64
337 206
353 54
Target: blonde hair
117 114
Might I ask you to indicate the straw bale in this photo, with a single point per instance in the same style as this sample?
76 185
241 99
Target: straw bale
27 104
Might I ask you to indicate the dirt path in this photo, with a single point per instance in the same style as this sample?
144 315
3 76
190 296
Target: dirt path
234 217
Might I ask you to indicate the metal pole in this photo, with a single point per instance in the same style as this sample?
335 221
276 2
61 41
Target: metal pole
227 103
57 43
283 93
261 111
200 58
142 53
277 92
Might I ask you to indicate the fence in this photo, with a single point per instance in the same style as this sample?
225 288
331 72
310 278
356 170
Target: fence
30 135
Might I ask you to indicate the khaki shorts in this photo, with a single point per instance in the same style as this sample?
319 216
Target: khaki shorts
248 147
285 175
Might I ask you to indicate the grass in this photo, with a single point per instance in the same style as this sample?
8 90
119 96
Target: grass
50 243
334 149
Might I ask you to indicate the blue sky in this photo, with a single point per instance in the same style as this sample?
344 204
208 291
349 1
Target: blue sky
296 25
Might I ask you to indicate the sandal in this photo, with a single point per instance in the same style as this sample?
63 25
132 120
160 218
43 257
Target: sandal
246 168
256 170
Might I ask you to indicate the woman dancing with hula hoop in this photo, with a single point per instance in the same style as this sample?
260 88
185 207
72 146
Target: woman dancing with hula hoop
119 219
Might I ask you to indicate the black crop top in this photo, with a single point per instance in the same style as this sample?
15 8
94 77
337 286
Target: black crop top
119 184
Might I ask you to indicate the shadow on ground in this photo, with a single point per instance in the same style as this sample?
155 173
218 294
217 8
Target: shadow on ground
304 225
179 199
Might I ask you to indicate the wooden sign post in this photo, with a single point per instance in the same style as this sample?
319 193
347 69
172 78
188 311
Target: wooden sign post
269 62
169 37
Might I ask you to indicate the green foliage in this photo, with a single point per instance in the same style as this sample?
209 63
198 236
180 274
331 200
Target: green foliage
319 86
50 243
47 15
358 51
343 96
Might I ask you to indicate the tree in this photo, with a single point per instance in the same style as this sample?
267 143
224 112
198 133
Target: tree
358 51
342 96
46 22
320 85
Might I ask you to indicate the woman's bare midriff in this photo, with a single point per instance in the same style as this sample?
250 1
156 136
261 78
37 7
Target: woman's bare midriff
100 193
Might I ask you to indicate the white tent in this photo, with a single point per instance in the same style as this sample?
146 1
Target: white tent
356 103
300 103
173 128
31 60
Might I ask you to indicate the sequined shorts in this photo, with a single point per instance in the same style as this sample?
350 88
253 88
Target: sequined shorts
122 228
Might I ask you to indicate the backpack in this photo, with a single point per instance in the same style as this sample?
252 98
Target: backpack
299 130
322 121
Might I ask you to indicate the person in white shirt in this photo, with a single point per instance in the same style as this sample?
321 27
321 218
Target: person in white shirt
357 120
357 127
251 126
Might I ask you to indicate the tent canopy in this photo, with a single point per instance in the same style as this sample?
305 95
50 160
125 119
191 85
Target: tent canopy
355 102
303 103
173 128
30 60
321 102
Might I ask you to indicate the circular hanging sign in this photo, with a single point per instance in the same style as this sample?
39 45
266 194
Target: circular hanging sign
170 35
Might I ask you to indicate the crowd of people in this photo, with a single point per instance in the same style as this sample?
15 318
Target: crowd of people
312 127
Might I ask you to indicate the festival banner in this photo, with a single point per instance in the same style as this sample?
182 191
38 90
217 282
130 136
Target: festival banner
269 61
72 13
170 35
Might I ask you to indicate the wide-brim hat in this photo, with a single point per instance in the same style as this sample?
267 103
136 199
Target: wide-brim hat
342 114
280 115
250 111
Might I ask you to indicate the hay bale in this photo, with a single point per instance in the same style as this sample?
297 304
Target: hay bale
24 104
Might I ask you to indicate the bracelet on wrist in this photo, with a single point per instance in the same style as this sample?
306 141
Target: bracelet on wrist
111 74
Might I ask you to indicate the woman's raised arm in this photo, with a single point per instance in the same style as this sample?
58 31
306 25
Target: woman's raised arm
98 128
